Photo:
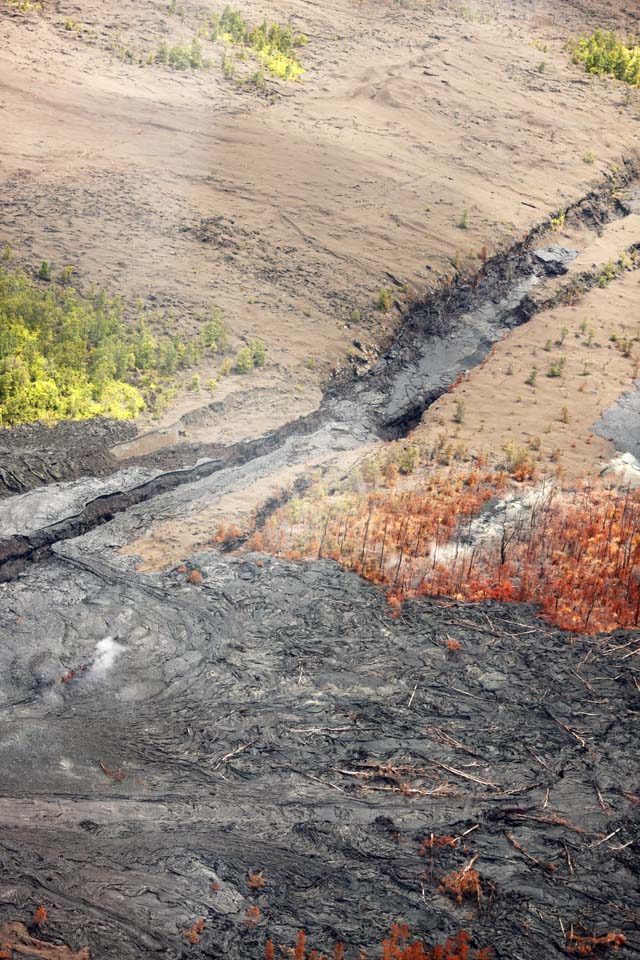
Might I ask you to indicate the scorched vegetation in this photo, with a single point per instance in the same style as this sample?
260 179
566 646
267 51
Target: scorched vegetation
397 946
575 552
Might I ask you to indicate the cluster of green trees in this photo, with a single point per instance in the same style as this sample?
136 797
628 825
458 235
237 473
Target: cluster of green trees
182 57
604 53
273 44
64 355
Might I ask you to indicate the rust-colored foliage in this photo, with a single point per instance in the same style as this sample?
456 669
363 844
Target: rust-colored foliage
18 941
40 916
195 577
429 843
192 935
215 886
252 916
117 774
269 950
226 536
453 646
462 884
298 953
574 552
256 880
398 946
586 946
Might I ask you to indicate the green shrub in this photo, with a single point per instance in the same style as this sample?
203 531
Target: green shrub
408 459
608 273
66 274
384 299
557 367
458 416
258 353
228 68
214 333
516 457
258 80
244 360
44 271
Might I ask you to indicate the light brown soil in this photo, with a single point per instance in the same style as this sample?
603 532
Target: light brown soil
552 418
170 541
354 178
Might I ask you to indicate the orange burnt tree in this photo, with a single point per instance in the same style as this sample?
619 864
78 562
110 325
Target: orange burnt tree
574 552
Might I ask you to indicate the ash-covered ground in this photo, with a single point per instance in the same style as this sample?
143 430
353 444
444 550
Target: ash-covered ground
163 739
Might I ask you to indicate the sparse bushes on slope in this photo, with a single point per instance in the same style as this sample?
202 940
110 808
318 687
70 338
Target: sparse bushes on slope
182 57
274 44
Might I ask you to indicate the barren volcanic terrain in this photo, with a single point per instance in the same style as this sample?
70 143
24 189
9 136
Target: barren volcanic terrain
331 650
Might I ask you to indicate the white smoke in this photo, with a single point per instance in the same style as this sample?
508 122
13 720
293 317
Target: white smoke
107 652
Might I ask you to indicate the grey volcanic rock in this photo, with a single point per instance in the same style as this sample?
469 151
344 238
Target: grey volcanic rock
159 737
24 514
556 259
624 468
630 199
621 423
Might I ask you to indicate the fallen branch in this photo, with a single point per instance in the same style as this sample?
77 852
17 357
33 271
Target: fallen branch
548 867
461 773
233 753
